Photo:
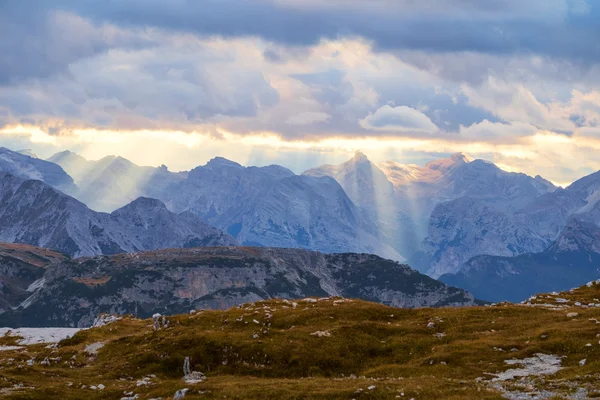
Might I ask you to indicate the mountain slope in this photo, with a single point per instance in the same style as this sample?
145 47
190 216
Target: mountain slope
573 258
366 184
466 227
26 167
451 209
20 266
34 213
490 212
175 281
111 182
369 188
271 206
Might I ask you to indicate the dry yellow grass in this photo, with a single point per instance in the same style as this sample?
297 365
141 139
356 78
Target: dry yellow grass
272 350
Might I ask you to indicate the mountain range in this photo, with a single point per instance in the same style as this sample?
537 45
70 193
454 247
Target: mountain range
573 258
32 212
454 218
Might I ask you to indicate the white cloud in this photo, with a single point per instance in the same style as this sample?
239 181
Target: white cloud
398 119
497 131
513 102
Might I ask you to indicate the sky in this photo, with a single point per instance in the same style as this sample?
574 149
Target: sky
305 82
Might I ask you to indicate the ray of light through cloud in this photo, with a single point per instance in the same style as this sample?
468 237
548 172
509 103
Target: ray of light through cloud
179 88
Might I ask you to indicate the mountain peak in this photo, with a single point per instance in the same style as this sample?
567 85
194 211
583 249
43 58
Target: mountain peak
461 158
222 162
146 203
359 157
447 164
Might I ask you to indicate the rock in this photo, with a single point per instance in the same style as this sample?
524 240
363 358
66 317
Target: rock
180 394
194 377
321 334
105 319
572 315
93 348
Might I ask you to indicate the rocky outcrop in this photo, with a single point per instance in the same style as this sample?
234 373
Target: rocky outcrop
175 281
20 266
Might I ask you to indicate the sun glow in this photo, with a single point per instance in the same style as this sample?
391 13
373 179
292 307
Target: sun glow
537 154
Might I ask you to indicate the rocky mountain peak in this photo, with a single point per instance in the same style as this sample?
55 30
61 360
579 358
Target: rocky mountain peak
145 203
220 162
448 164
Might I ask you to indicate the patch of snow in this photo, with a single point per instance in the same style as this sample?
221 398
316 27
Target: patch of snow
541 364
39 335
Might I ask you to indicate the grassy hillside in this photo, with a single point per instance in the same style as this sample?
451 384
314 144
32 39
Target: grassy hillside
325 349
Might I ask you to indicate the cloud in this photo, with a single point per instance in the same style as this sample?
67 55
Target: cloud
166 86
487 131
47 36
514 102
398 119
308 118
561 28
45 42
485 77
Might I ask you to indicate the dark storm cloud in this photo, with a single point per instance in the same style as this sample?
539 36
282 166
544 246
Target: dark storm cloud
122 64
36 46
562 28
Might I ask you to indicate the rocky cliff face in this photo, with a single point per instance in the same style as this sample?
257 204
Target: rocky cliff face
370 189
20 266
490 212
175 281
571 260
451 209
271 206
26 167
466 227
34 213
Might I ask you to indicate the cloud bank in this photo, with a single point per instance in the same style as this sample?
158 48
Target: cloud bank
487 76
